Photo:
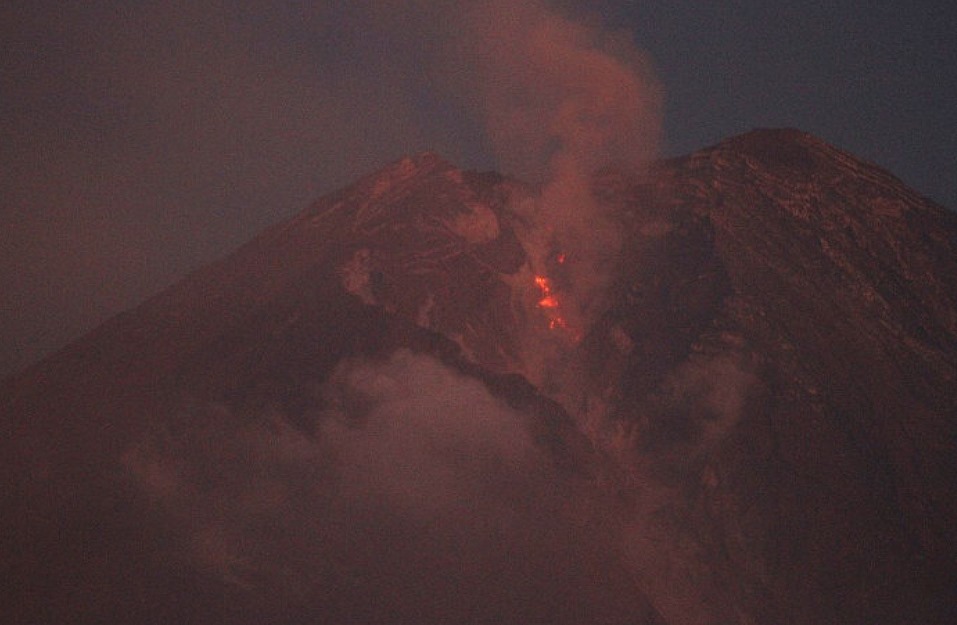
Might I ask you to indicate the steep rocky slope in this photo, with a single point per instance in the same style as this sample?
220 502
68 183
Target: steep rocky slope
792 379
759 428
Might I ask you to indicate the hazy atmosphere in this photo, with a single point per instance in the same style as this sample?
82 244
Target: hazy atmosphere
140 141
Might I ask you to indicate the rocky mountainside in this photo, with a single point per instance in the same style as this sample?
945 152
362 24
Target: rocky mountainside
377 413
810 299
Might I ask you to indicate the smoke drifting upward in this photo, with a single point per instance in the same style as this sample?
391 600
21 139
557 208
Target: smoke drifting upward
559 100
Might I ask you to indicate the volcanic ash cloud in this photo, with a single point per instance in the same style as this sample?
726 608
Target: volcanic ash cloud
420 498
560 100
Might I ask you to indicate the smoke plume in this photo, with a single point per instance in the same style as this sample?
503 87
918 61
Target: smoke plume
420 498
560 99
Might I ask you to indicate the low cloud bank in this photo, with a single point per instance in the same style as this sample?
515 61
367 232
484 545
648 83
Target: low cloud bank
420 498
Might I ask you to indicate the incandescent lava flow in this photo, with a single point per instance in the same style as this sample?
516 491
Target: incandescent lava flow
551 304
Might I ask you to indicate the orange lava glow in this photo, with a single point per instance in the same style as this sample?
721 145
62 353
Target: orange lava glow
549 301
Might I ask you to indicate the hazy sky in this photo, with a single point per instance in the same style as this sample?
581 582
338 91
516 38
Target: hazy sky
141 139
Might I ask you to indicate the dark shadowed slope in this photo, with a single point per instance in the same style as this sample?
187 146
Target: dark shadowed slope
790 375
275 440
760 428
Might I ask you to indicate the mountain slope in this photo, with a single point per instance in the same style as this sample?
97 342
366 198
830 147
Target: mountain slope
758 428
807 300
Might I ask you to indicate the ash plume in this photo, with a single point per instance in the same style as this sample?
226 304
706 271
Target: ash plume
559 100
555 99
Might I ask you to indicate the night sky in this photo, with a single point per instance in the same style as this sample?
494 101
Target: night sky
140 140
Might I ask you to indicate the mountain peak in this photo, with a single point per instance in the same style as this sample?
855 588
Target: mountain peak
796 158
414 165
765 402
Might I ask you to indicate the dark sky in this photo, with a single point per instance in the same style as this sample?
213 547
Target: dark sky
140 140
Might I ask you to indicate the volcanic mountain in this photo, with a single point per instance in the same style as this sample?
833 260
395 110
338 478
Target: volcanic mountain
380 412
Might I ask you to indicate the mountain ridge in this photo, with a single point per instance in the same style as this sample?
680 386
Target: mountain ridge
770 383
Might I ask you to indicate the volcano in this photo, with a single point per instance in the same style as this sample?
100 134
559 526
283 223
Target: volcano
381 412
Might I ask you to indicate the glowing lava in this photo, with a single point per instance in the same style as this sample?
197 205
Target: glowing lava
549 301
548 298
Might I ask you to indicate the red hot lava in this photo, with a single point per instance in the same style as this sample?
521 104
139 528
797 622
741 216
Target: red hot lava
549 302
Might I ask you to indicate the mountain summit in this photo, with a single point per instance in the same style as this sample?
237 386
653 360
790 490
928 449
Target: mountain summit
407 406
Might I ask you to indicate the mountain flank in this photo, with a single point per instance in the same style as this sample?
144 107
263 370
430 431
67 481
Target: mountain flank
370 413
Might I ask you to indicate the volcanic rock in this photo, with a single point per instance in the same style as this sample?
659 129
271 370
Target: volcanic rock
791 378
758 428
